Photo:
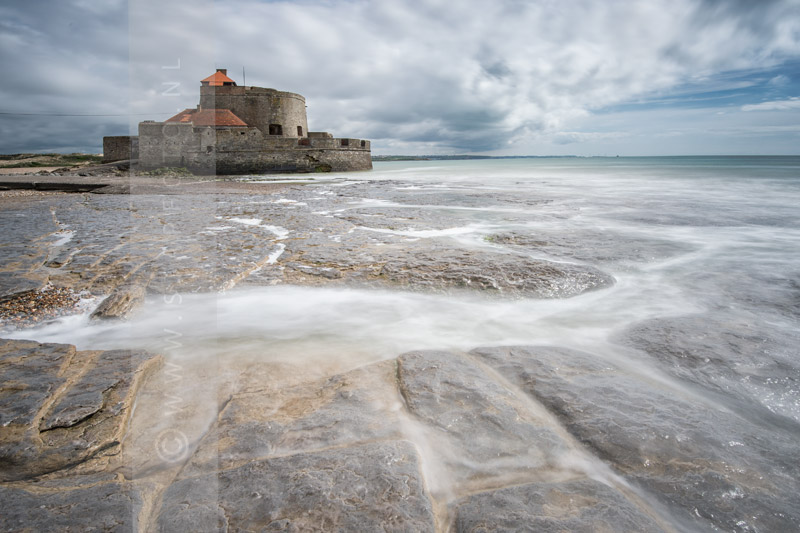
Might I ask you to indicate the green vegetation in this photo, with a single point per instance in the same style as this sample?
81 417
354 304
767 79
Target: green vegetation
48 160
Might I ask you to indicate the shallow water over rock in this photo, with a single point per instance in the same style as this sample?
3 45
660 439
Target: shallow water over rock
469 344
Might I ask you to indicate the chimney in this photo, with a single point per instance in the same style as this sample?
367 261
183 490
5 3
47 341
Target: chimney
223 70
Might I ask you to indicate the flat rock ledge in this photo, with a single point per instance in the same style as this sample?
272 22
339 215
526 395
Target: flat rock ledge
60 407
498 439
124 248
372 487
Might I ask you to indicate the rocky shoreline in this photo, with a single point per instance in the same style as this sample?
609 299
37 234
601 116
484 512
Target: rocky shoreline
496 438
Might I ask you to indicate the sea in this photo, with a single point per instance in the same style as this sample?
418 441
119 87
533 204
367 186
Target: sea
705 253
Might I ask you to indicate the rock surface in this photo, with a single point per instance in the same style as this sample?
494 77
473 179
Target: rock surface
592 246
61 407
577 506
497 439
103 506
477 421
514 276
714 353
343 410
493 440
118 245
371 487
120 303
730 477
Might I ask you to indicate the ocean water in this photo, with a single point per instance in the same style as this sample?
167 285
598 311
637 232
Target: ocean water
705 252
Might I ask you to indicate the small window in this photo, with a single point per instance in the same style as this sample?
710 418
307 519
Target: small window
275 129
344 142
363 144
299 131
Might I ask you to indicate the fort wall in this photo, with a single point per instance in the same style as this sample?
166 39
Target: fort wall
275 113
246 150
271 135
120 148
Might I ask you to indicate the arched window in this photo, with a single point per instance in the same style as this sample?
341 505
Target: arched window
299 131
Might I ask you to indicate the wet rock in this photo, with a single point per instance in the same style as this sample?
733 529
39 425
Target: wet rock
16 283
359 259
60 258
505 274
62 407
203 242
593 246
120 303
23 249
748 361
481 429
710 467
342 410
30 374
577 506
373 487
105 506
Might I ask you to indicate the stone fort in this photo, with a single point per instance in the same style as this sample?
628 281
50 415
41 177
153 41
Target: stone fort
239 130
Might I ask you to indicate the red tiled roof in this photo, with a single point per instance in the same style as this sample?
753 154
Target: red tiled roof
218 79
208 117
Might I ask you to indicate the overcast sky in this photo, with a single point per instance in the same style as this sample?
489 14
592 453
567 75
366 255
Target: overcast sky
501 77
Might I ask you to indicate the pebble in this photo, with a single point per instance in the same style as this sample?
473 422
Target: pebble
31 308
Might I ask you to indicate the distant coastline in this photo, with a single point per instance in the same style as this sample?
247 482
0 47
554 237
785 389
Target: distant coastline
476 157
461 157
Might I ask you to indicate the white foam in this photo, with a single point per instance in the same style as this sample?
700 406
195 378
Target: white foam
246 221
218 228
279 232
427 234
273 257
64 236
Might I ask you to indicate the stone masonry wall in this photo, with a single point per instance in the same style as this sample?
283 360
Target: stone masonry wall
260 107
163 144
292 160
120 148
246 151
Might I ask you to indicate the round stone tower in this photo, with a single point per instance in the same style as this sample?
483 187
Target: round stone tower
275 113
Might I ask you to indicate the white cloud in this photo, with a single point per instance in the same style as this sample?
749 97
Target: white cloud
463 76
779 80
476 75
775 105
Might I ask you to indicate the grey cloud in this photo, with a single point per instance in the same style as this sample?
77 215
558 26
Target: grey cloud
472 75
467 77
60 57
